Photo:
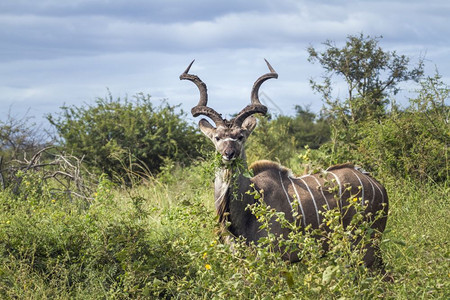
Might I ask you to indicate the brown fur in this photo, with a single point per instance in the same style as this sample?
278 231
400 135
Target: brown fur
313 192
341 166
263 165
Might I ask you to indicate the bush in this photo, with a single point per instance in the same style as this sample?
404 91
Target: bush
408 143
20 137
116 136
157 240
243 271
120 246
284 138
19 141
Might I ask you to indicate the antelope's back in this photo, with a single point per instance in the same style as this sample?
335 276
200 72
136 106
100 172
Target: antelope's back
328 189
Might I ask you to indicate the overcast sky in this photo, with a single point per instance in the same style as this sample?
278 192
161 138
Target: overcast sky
56 52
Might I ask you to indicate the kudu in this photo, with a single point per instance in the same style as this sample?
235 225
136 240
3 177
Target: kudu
280 187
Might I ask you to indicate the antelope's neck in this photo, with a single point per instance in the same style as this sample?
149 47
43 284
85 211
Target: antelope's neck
228 184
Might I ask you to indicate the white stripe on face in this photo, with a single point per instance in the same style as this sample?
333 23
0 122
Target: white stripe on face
230 140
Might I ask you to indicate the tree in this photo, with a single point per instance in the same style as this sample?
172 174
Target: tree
19 137
371 75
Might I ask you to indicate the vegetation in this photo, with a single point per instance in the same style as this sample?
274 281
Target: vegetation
157 240
370 73
68 232
19 141
413 142
282 139
114 135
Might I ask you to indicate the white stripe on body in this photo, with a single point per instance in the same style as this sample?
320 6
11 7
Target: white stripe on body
362 187
340 187
373 190
314 201
299 202
320 187
284 189
377 185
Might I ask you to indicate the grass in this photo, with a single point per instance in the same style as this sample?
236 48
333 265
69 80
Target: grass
157 240
418 251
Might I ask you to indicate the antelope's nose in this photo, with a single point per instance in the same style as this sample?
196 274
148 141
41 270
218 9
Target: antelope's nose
229 154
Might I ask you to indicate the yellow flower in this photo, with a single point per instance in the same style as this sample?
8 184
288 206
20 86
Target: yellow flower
208 267
204 255
355 199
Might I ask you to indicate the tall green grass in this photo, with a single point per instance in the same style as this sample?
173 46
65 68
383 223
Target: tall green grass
418 247
158 240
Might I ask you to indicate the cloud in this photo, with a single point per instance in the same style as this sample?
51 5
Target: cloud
90 27
56 52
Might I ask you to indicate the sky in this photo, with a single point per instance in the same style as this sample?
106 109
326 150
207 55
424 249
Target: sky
71 52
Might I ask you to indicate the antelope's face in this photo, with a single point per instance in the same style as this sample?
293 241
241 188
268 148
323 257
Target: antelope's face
229 141
228 136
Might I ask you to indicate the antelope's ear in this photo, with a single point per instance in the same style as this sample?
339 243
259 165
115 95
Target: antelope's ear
206 128
249 124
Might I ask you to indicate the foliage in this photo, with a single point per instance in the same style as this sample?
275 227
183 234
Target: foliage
157 241
418 245
410 142
283 138
369 72
156 237
19 141
116 134
19 137
62 174
116 247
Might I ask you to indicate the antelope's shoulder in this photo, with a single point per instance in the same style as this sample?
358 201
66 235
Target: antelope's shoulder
348 166
341 166
267 165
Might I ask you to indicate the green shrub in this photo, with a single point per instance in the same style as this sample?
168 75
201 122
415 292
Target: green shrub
413 142
410 142
156 240
20 140
284 138
240 271
118 136
118 246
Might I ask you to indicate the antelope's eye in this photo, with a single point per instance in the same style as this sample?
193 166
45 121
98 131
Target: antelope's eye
217 138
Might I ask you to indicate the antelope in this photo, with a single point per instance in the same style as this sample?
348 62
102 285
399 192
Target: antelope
281 189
